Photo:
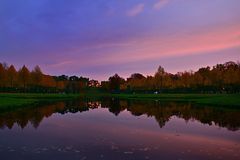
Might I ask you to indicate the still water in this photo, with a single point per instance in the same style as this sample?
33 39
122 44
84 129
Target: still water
118 129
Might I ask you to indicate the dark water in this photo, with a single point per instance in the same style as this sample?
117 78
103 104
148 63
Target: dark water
113 129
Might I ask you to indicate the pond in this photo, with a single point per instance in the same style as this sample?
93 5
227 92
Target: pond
120 129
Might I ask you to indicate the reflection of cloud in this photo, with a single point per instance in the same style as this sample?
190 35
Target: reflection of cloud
136 10
160 4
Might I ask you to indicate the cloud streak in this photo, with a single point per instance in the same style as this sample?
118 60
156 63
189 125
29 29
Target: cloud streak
151 49
136 10
102 37
160 4
180 44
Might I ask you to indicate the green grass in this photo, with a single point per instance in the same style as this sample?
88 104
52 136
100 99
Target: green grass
17 100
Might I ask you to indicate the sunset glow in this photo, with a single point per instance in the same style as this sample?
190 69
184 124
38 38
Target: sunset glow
100 38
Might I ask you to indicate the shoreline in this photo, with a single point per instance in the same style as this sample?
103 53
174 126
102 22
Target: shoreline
20 99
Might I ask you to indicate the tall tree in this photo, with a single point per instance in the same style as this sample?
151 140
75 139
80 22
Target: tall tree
3 76
159 76
115 82
37 76
24 76
135 82
12 75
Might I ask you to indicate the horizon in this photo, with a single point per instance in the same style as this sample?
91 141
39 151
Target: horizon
98 39
128 76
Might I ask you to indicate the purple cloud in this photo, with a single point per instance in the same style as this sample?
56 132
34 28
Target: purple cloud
136 10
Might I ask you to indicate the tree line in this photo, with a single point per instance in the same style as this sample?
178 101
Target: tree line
36 81
221 78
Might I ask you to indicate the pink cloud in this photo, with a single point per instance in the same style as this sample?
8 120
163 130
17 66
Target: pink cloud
160 4
136 10
146 49
151 48
155 47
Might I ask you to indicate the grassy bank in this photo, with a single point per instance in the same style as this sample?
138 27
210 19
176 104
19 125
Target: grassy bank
16 100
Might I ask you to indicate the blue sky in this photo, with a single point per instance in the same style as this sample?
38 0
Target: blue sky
102 37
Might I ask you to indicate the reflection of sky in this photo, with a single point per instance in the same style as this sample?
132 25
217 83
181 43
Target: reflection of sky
100 131
100 38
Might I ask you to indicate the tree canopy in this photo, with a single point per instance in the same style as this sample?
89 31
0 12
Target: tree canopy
221 78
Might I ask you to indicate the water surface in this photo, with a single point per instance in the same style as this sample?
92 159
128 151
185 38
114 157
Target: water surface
114 129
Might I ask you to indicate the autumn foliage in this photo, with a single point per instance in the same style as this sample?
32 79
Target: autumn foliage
36 81
221 78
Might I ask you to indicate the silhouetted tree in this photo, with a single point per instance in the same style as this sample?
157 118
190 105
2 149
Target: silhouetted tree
12 75
115 82
24 76
159 76
37 77
3 75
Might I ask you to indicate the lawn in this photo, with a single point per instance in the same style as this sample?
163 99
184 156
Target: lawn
17 100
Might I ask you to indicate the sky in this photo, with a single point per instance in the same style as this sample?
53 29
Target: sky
102 37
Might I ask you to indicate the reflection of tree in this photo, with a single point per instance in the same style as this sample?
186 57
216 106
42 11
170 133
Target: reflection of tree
206 115
113 106
22 117
162 112
34 115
